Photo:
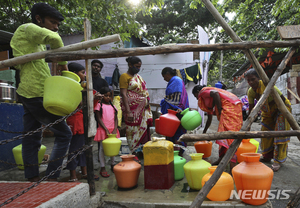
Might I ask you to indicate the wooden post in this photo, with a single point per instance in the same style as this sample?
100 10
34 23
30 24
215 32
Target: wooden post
88 113
77 46
295 200
246 126
125 52
237 135
254 63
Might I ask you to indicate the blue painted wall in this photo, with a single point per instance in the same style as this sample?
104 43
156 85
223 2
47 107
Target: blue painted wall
11 119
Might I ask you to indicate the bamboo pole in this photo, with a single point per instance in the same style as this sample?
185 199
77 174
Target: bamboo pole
77 46
280 104
246 126
92 123
124 52
296 96
90 127
237 135
295 200
255 64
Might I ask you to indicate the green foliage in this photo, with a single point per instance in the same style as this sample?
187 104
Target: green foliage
175 22
106 16
253 20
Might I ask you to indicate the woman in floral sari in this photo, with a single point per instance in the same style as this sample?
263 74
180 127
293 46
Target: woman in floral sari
228 109
272 120
135 105
176 99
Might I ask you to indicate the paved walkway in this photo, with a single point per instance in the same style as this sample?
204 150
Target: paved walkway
35 196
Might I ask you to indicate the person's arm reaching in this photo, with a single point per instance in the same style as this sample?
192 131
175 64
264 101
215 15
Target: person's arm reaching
216 100
208 122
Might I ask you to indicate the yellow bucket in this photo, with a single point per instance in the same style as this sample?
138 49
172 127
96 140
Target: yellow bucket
62 94
17 151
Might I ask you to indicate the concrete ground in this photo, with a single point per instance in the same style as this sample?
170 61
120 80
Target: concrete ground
286 179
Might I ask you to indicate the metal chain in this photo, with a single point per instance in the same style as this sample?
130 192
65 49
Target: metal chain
46 162
13 132
80 151
39 129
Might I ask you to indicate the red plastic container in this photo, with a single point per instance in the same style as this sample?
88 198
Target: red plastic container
168 123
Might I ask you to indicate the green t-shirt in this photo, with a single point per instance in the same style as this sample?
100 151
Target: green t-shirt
31 38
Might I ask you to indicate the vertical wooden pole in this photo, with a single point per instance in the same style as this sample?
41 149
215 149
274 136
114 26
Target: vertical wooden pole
88 115
254 63
269 87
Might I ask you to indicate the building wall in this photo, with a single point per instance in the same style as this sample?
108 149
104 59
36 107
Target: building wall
291 81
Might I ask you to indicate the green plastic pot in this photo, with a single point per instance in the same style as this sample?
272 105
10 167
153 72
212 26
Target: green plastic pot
179 162
191 119
62 94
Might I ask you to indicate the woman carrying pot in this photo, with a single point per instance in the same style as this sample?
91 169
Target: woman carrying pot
228 109
176 98
135 105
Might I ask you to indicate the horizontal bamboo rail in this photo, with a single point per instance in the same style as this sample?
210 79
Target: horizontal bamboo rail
74 47
237 135
124 52
269 87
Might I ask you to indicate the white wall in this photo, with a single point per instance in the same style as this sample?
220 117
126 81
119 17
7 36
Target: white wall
152 66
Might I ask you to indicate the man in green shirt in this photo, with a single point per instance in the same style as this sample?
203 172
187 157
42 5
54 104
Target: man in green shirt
30 38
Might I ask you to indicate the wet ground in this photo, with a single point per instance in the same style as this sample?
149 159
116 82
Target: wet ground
286 180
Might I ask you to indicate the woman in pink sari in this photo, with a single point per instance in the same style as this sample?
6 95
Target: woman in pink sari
135 105
228 109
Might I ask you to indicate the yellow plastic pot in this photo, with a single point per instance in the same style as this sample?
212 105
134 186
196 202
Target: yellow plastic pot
62 94
71 75
195 169
17 152
111 145
256 143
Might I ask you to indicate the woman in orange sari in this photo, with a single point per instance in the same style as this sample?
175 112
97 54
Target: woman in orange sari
228 109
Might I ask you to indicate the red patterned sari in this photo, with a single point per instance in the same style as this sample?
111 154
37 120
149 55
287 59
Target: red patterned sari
137 131
231 118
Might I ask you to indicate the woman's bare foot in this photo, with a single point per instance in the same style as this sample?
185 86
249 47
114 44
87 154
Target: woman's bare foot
275 167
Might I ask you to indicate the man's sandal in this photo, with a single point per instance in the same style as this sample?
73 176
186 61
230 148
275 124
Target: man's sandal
73 180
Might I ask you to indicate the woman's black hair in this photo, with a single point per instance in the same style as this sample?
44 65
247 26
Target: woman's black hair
198 88
75 67
45 10
168 70
103 91
133 60
251 72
